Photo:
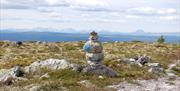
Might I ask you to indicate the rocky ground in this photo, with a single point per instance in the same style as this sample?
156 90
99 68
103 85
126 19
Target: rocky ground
170 82
128 66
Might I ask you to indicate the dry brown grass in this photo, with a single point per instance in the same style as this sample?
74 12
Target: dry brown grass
72 51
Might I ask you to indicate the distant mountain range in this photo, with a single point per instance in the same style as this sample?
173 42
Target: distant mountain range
74 35
74 31
141 32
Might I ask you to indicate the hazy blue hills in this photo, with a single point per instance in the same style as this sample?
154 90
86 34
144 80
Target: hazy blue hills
41 36
71 36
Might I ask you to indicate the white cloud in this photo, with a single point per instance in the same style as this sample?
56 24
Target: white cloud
3 1
51 2
133 16
89 2
151 11
161 12
141 10
31 4
7 4
82 5
102 20
85 15
89 5
45 9
171 11
57 2
114 14
108 12
55 14
169 17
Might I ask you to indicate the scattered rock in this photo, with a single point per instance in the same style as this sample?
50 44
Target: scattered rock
131 61
7 76
4 72
139 60
7 80
76 67
15 44
33 87
100 69
52 64
45 76
41 43
100 77
18 72
143 59
161 84
170 71
155 68
20 79
38 42
86 83
19 43
171 74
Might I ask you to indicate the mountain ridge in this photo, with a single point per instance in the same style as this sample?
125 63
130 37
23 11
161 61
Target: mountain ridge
74 31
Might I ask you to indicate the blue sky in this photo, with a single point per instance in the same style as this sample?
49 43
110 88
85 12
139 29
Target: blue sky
100 15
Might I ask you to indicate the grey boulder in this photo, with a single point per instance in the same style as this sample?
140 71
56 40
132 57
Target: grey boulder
99 69
155 67
52 64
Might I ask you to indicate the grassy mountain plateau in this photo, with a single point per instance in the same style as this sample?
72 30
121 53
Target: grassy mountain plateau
42 72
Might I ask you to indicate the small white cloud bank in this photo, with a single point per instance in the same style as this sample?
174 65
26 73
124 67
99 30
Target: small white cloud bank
150 11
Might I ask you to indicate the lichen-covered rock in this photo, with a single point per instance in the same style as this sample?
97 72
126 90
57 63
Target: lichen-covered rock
86 83
7 76
76 67
19 43
155 68
45 76
39 42
141 60
161 84
4 72
18 72
138 60
7 79
33 87
52 64
100 69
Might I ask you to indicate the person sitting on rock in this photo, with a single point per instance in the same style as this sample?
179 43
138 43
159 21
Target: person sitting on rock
93 49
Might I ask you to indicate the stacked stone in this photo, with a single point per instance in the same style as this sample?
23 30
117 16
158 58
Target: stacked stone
94 49
95 56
